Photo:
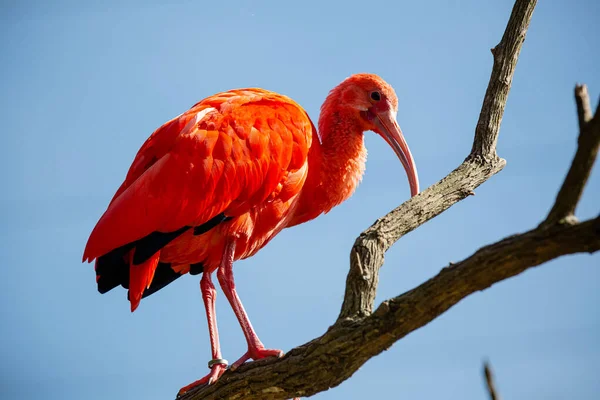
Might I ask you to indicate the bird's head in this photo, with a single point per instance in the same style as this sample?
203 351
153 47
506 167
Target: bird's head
373 104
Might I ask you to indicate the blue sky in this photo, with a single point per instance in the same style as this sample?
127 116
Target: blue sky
83 84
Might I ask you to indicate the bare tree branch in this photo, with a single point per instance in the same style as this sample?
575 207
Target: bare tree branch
568 197
367 255
506 54
327 361
489 382
360 334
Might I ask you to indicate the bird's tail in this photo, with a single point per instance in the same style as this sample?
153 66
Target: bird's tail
140 278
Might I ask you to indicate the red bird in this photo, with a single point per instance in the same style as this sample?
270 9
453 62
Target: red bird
216 183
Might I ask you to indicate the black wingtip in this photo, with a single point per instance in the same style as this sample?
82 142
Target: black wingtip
149 245
112 270
211 223
163 276
196 268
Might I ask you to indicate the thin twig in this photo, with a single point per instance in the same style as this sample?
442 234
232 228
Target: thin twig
489 382
584 109
506 54
563 210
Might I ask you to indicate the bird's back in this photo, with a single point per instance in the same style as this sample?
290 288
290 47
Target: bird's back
237 104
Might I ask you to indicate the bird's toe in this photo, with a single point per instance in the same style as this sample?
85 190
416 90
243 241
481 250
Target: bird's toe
215 373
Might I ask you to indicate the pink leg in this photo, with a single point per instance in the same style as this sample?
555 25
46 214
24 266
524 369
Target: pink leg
256 350
209 295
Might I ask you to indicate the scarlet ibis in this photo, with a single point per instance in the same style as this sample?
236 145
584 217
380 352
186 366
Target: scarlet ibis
216 183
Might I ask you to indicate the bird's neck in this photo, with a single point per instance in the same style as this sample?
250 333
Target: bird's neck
343 156
336 165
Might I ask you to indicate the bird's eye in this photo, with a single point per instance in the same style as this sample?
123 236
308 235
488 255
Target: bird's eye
375 96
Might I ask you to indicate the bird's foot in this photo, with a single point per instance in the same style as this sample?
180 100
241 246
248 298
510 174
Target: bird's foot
216 370
256 353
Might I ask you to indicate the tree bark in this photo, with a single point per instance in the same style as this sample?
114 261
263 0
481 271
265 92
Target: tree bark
361 333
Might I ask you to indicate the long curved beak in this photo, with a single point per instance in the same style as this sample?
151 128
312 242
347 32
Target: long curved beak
391 132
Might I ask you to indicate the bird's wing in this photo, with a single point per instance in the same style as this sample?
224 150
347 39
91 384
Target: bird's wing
157 146
226 155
